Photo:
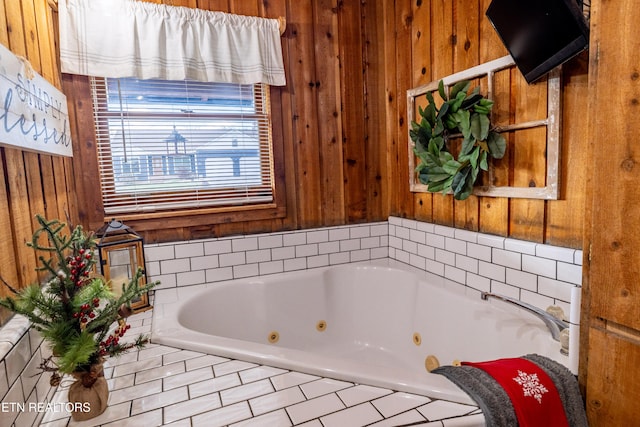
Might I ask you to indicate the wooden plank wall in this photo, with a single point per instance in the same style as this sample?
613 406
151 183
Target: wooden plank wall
333 163
342 122
436 38
30 183
611 291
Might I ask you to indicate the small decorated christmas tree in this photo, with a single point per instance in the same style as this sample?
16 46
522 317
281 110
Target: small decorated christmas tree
75 310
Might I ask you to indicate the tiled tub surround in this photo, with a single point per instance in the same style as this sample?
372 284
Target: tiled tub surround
25 392
214 260
373 322
538 274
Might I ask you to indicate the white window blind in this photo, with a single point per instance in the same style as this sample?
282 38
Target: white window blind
181 144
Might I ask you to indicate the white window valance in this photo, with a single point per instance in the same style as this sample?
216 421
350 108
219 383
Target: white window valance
129 38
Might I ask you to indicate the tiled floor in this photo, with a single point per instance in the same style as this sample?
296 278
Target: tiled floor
161 385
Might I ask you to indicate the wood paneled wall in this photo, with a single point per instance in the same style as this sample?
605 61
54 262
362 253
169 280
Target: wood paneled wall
30 183
437 38
342 122
611 290
329 120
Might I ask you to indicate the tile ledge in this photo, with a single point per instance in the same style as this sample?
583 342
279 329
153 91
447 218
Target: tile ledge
12 332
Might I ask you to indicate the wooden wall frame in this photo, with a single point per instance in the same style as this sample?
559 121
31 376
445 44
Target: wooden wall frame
552 122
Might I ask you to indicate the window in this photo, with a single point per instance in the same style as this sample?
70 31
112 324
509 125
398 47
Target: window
181 144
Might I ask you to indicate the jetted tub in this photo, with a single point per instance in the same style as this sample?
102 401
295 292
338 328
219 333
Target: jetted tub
372 323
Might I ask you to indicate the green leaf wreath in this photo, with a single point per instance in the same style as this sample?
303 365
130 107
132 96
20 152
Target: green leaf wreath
461 113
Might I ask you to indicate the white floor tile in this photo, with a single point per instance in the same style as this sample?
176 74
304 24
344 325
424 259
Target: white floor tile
57 401
470 421
279 399
148 419
355 416
323 386
246 392
121 382
441 409
186 378
112 413
206 360
271 419
291 379
59 423
159 372
406 418
260 372
179 356
223 416
180 423
315 408
361 393
131 356
215 384
150 352
130 393
159 400
312 423
137 367
191 407
396 403
232 366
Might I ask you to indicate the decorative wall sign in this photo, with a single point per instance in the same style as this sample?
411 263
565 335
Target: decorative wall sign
33 113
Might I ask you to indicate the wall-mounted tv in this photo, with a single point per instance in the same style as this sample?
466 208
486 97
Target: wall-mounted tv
539 34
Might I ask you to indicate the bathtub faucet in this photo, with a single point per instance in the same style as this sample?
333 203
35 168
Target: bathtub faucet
554 324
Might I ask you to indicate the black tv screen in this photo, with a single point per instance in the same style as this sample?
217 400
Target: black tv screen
539 34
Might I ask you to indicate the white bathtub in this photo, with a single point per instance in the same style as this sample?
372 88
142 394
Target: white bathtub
372 323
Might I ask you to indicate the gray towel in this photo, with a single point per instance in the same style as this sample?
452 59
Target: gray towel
495 403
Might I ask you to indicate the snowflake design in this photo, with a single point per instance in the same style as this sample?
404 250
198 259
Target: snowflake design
531 385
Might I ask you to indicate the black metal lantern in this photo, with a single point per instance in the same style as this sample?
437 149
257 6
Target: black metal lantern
121 253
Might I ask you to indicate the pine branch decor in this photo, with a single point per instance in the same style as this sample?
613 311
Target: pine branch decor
75 310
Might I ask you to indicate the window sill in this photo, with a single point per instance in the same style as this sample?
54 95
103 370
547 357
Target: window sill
161 226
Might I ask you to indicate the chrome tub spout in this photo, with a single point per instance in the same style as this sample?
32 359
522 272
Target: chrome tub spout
554 324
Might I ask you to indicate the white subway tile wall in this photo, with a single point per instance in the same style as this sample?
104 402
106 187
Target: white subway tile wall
539 274
213 260
535 273
21 385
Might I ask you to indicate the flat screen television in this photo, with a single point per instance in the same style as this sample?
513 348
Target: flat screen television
539 34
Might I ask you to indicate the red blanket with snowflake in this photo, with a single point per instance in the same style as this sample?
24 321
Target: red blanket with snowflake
534 396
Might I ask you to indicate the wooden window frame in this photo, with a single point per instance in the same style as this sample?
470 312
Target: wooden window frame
166 225
158 199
